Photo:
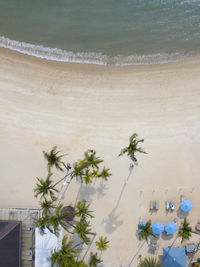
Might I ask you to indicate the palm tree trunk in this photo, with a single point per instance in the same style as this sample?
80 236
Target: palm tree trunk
81 243
63 178
89 246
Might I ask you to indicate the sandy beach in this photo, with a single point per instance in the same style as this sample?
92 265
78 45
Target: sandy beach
79 106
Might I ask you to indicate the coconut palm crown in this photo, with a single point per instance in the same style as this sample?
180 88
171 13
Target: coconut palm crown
150 262
94 260
65 256
45 188
88 169
53 159
83 230
133 148
83 210
185 231
146 231
102 244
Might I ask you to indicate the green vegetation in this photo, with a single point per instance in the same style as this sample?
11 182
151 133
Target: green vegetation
133 148
150 262
185 231
146 231
94 260
53 159
54 215
102 244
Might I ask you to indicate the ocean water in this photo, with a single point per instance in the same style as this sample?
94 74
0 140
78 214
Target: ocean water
121 32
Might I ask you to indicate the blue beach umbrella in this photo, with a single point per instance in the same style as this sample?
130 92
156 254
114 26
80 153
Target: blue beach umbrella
157 228
186 205
141 224
170 228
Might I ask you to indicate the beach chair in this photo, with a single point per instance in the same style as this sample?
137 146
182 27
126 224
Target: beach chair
197 227
153 245
156 205
182 197
172 206
167 205
151 205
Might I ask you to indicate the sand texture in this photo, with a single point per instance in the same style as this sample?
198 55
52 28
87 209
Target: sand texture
77 107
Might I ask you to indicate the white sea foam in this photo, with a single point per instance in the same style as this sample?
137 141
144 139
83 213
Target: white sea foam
56 54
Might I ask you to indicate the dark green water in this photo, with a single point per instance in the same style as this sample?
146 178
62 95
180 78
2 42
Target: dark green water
102 31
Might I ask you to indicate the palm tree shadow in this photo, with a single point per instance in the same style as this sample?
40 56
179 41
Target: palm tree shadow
137 253
123 188
112 222
86 192
101 190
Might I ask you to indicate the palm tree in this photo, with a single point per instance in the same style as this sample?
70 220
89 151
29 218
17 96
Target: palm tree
91 160
150 262
60 218
88 176
65 256
94 260
45 188
102 244
47 206
78 170
42 223
83 210
104 174
54 159
146 231
185 231
53 220
83 230
132 148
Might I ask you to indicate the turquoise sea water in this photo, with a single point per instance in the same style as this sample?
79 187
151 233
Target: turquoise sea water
121 32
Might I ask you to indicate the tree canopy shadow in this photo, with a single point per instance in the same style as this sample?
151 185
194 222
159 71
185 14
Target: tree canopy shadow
112 222
101 189
86 192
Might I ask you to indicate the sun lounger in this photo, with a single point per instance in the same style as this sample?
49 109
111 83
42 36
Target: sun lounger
197 227
167 205
151 204
153 245
191 248
172 206
156 205
182 197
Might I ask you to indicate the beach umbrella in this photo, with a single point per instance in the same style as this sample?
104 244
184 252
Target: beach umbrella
186 205
141 224
170 228
157 228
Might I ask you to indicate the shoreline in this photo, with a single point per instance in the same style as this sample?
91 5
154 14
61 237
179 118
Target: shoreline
182 63
92 58
80 106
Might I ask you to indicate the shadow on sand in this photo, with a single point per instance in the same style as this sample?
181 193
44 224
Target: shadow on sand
124 186
141 246
181 214
112 222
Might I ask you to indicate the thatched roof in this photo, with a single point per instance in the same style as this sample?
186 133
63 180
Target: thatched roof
70 213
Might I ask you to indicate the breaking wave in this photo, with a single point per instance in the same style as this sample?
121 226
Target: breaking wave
57 54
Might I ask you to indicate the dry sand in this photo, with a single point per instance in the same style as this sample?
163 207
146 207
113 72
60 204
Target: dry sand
76 107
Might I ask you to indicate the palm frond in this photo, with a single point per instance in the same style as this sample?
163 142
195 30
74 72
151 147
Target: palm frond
133 148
